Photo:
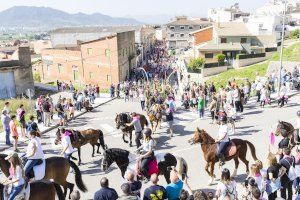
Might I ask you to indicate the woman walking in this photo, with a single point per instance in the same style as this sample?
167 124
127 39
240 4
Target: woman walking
21 118
14 132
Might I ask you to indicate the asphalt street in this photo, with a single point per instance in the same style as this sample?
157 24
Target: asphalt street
255 127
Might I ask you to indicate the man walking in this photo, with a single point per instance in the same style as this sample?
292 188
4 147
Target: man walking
5 119
137 128
46 111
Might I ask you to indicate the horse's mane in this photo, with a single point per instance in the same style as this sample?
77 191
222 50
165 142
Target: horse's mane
3 155
207 136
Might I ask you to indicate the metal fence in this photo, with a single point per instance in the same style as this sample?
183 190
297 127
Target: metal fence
246 56
215 64
271 49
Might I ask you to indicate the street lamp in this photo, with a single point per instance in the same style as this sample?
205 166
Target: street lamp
282 42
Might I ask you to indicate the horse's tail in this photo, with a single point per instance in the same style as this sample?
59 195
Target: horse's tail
101 140
59 191
252 148
182 167
78 177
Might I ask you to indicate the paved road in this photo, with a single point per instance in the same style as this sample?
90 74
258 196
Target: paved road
255 127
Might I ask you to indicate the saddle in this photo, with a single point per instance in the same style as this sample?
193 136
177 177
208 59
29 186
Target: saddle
38 170
152 168
230 150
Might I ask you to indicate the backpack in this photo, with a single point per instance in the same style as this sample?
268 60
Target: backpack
292 174
232 194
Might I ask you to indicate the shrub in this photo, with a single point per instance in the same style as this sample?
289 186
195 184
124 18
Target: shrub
294 34
220 57
196 64
36 77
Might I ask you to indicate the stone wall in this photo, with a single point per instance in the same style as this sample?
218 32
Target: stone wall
213 70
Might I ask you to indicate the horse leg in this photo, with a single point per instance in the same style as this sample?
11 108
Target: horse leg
206 168
65 190
236 164
130 138
98 147
167 176
212 168
79 156
245 161
93 150
71 187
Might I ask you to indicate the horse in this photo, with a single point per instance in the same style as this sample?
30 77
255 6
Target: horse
80 138
57 169
286 129
126 161
210 148
122 119
45 190
155 116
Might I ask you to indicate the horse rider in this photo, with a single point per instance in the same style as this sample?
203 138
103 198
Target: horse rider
147 153
223 138
136 123
34 153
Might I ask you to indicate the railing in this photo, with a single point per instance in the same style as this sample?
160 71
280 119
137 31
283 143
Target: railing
271 49
210 65
246 56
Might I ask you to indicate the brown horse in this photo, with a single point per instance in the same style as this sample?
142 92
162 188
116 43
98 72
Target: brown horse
122 119
57 169
286 129
39 190
80 138
210 149
155 116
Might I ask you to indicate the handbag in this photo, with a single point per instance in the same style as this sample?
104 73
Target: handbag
292 172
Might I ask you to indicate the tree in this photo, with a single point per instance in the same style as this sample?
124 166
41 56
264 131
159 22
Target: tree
220 57
196 64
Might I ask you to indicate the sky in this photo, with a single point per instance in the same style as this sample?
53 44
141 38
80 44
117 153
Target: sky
121 8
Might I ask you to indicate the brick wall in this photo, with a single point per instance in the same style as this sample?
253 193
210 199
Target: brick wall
203 36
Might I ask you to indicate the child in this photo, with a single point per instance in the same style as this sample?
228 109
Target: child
231 113
71 110
14 132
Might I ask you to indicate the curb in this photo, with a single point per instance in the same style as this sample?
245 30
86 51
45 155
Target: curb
56 126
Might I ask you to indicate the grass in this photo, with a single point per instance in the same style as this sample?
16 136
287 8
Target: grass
291 53
14 105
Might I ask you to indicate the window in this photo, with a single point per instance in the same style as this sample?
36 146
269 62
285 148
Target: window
201 27
223 40
190 27
209 55
108 78
60 68
172 27
91 75
48 68
181 27
171 35
243 40
182 35
75 75
89 51
107 52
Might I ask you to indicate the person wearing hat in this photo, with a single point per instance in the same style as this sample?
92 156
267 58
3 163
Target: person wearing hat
223 138
136 123
147 151
16 177
5 119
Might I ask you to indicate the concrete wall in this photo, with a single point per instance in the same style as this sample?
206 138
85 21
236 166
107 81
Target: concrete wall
213 70
23 75
251 61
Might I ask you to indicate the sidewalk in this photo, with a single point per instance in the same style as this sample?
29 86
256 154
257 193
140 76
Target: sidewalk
104 98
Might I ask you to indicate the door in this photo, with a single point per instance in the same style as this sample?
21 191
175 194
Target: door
7 86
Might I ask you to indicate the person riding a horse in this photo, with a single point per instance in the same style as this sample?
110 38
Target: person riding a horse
147 151
137 127
34 154
222 139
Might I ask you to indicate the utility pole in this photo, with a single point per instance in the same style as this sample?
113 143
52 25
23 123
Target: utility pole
282 43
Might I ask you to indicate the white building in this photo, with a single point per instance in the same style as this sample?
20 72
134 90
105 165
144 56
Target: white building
160 34
225 14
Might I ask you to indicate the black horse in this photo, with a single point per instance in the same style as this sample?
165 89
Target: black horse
122 119
126 161
286 129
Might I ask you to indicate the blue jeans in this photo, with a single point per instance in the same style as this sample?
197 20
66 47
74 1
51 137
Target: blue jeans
7 134
222 148
201 112
15 191
29 166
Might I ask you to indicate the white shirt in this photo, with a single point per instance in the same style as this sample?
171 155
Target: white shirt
66 142
147 145
18 175
39 154
259 86
225 189
283 91
223 130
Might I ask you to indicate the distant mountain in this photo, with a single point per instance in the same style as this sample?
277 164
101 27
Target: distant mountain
152 19
45 17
